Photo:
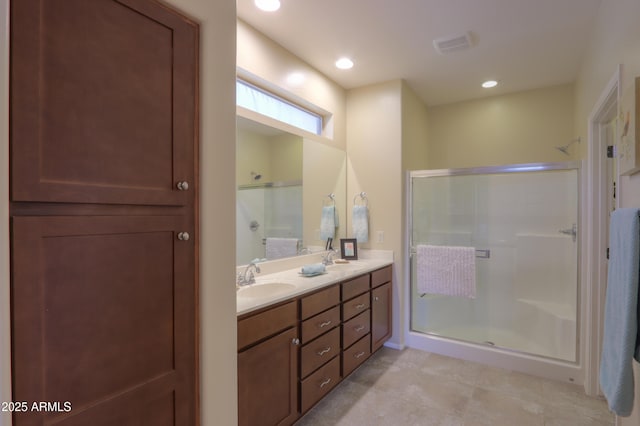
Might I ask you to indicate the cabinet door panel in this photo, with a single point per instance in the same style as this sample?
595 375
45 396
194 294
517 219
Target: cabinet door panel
267 382
380 315
103 100
104 317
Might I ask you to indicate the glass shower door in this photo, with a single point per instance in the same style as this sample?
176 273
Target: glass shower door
523 224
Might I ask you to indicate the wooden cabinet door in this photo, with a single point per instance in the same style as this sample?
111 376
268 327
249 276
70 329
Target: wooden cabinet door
380 315
103 100
103 318
267 382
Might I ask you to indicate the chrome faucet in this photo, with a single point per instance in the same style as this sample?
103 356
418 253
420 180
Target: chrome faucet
328 257
247 277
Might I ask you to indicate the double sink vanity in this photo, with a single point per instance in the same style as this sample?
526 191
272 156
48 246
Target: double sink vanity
298 337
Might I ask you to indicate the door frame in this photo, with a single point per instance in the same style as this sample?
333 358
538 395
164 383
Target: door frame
595 208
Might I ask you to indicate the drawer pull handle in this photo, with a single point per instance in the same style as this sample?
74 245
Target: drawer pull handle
324 324
326 382
324 351
359 329
356 356
360 306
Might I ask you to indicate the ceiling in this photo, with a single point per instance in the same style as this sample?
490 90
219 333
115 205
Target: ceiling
523 44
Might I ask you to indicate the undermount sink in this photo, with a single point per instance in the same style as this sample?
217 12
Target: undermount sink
265 289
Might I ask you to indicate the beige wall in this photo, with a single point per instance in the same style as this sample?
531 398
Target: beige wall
521 127
268 64
286 158
616 40
374 156
415 131
324 172
252 155
277 158
217 210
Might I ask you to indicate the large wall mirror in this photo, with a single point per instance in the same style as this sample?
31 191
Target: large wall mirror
284 181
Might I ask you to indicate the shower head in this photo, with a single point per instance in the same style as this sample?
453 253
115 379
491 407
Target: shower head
565 148
256 176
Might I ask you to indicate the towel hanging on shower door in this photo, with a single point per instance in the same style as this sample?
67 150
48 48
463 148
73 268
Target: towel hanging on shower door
446 270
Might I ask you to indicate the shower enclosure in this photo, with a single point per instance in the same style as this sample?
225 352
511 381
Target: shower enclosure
523 222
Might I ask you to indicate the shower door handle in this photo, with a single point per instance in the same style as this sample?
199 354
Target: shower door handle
573 231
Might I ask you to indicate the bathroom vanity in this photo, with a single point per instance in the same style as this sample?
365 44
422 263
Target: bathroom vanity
297 343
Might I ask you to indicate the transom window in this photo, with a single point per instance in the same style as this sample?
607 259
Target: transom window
265 103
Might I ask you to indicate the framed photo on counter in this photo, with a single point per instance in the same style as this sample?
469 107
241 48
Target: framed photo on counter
349 248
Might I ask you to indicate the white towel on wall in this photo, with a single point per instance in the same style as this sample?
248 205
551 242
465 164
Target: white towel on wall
281 247
446 270
328 222
361 223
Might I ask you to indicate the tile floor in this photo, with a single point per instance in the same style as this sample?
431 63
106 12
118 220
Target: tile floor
411 387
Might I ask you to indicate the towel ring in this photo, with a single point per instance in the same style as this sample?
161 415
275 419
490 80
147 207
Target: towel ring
363 198
332 198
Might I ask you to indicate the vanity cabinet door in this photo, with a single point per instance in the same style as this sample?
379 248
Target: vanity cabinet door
380 315
267 381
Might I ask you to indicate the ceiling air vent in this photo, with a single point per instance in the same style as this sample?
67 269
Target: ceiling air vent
446 45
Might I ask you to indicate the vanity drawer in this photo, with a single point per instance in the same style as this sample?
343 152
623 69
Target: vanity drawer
268 323
321 323
381 276
356 355
317 385
355 328
318 302
318 352
355 287
353 307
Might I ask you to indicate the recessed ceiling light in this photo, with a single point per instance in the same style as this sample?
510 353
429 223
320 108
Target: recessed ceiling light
344 63
268 5
489 84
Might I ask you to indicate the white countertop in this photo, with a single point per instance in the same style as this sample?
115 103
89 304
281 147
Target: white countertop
296 285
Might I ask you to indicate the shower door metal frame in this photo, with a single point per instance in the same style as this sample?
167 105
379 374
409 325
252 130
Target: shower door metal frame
488 170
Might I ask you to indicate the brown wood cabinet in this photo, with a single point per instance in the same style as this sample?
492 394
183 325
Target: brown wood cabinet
337 325
103 201
268 367
381 298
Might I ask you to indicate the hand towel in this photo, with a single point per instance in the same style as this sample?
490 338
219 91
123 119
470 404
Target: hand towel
315 268
621 311
361 223
281 247
328 222
446 270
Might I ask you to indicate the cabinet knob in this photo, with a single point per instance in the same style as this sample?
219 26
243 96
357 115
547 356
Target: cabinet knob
184 236
183 185
376 298
295 341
